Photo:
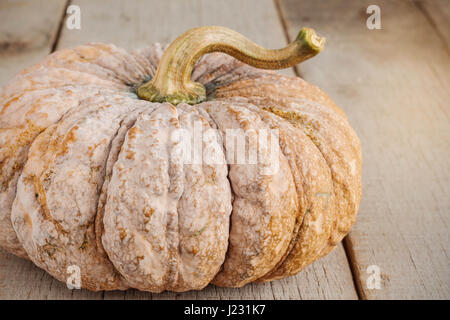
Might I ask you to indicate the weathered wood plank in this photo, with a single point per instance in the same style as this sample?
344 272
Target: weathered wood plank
27 32
393 84
134 24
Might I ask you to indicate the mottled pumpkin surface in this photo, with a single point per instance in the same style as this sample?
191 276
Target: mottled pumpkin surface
90 175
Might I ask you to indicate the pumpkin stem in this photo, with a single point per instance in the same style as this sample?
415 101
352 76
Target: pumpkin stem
172 81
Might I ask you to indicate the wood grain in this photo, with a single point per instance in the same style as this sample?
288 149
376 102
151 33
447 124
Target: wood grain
438 14
393 84
25 36
134 24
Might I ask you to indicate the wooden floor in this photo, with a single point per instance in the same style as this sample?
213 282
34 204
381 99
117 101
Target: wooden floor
393 84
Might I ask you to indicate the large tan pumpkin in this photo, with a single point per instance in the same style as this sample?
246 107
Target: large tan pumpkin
93 173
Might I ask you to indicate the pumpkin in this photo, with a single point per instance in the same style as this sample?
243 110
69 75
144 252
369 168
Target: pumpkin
94 172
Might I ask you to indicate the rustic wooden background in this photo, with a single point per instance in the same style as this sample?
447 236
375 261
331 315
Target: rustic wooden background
393 84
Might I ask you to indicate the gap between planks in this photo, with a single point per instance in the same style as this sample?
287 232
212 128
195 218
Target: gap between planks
60 27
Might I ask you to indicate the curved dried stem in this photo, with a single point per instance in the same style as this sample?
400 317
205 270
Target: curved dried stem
172 82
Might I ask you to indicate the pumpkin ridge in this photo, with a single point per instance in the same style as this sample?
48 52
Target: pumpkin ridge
118 55
127 124
173 235
186 114
97 221
96 270
13 245
293 89
230 275
115 146
71 59
177 274
205 113
220 71
211 85
279 270
332 244
338 185
152 54
329 113
57 81
282 271
214 87
223 66
296 232
205 63
16 98
301 212
147 67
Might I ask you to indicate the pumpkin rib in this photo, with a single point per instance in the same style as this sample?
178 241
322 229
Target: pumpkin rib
71 59
267 87
27 111
349 209
215 81
239 93
338 128
152 54
17 153
112 162
309 208
334 239
300 256
265 97
115 147
147 66
78 60
15 150
243 266
68 59
73 194
212 65
61 76
120 63
210 163
122 235
62 87
300 194
225 70
215 126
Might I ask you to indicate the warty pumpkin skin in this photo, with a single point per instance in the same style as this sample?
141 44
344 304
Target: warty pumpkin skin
91 173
